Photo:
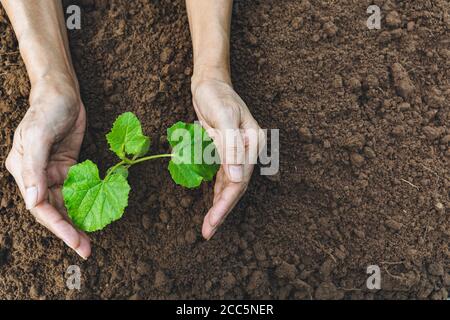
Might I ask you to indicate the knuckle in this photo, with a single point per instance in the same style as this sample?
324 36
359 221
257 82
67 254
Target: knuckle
8 163
262 138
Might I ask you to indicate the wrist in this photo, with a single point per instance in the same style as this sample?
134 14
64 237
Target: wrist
46 60
55 86
210 72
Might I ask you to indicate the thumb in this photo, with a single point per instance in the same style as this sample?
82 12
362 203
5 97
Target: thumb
231 149
36 146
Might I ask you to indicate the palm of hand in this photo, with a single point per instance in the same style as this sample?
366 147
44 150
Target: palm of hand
63 155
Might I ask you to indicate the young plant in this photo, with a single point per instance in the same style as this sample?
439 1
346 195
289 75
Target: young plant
92 203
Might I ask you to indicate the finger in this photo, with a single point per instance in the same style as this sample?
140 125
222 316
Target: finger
232 151
255 140
226 201
221 208
60 227
36 144
220 181
13 165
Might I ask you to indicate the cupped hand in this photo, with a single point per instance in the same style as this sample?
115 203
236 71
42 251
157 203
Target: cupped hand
238 138
46 143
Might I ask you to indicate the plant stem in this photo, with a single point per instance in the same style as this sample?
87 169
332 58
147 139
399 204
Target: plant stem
130 162
164 155
114 168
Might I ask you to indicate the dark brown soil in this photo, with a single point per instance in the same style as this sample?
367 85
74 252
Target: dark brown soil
363 118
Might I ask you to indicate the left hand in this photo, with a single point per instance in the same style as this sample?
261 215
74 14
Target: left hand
219 108
46 144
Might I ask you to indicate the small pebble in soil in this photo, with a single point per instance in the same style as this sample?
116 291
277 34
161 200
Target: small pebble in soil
355 142
326 268
402 82
410 26
439 206
286 271
315 158
354 84
166 55
337 82
393 225
108 87
404 106
315 37
356 159
251 38
398 131
190 236
135 296
164 216
305 135
257 279
143 268
436 269
146 221
304 5
4 202
330 28
444 140
186 201
431 133
228 282
161 280
369 153
372 81
297 23
259 251
35 292
393 19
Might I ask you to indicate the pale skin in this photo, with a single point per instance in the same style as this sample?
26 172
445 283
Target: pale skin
48 139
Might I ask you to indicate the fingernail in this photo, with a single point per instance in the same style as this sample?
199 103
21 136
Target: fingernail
31 197
76 250
236 173
79 253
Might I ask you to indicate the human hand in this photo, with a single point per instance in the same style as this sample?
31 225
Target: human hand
46 143
219 108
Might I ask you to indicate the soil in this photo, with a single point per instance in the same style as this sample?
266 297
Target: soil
364 141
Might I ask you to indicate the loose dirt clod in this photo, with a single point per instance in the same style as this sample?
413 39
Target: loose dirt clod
402 82
431 133
393 19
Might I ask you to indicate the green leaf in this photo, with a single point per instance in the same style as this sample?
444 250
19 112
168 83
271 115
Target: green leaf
126 137
187 166
93 203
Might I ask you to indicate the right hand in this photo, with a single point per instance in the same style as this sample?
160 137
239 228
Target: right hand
46 144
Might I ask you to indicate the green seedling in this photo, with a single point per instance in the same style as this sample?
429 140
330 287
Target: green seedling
92 203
